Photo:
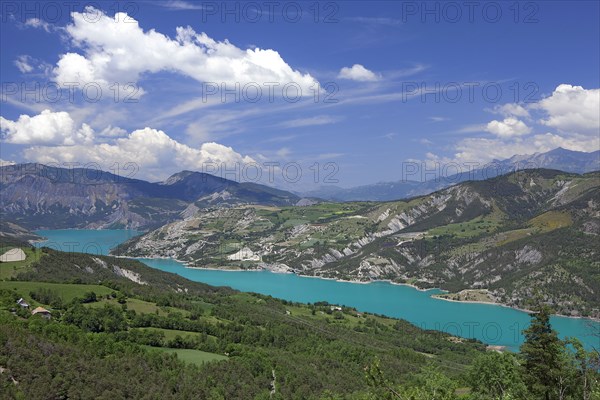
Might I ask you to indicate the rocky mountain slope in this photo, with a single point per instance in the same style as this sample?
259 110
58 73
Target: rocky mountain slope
10 232
534 230
39 196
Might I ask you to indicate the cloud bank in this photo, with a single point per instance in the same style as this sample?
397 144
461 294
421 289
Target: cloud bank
54 137
117 50
572 111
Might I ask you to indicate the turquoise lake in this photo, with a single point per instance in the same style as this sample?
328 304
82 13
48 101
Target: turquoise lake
491 324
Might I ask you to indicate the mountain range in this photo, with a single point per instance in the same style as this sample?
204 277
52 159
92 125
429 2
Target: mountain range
497 239
416 179
39 196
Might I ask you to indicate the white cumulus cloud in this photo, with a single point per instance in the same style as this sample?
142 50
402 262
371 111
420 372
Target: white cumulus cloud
112 131
572 109
508 127
117 50
358 73
54 137
487 149
511 110
46 128
155 153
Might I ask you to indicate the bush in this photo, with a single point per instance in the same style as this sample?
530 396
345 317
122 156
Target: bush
47 296
89 297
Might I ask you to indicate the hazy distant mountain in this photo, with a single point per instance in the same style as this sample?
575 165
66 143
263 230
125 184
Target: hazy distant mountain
37 196
559 159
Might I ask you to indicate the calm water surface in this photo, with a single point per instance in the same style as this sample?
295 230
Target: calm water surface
492 324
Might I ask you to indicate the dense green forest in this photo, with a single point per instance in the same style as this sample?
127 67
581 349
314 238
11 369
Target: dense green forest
165 337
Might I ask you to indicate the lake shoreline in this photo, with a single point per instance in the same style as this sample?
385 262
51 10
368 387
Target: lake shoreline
383 299
495 304
187 264
389 281
511 307
301 275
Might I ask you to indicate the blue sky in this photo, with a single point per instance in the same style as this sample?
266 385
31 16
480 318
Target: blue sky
502 78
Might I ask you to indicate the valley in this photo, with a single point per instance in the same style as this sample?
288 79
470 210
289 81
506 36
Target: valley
143 320
485 243
504 235
299 200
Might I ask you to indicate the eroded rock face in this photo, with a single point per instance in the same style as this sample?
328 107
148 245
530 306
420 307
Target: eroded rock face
591 227
132 276
528 255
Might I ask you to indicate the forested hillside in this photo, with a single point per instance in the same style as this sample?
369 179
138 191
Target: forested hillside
119 329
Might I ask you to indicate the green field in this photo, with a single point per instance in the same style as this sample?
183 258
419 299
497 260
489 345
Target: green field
290 216
139 306
476 227
66 291
171 334
191 356
551 220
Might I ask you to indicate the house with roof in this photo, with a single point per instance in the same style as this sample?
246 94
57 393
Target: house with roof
42 312
22 303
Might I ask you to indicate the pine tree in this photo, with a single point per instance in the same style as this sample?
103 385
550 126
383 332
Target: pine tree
542 354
